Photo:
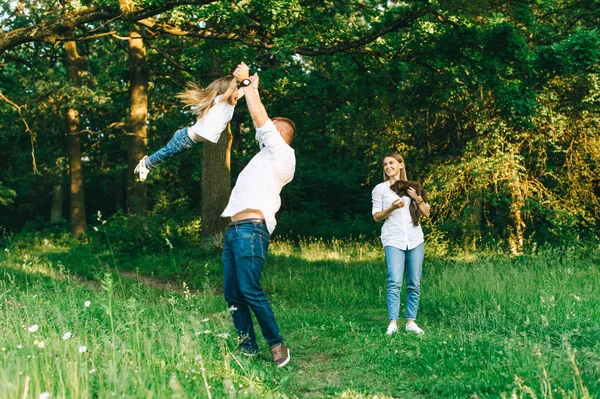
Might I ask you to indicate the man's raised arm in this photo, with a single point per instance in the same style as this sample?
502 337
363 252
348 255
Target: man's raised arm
255 106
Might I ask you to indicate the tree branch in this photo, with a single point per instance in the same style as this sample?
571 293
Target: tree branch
54 29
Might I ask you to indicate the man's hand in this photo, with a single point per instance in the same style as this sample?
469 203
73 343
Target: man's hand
241 72
254 79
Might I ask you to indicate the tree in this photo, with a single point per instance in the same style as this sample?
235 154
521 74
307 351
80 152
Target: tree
78 219
216 183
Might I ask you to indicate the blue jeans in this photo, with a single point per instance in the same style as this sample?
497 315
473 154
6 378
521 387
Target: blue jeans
400 262
244 255
178 144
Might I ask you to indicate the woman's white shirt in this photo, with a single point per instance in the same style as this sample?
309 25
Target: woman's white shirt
398 230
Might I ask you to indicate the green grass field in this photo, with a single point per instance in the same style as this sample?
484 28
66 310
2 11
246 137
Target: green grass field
81 320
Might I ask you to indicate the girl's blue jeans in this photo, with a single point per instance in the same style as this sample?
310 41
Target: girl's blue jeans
401 263
178 144
244 255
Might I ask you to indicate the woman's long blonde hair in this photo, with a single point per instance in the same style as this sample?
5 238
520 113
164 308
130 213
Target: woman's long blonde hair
398 158
202 99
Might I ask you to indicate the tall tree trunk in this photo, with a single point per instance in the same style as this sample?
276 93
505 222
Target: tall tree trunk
136 128
78 222
216 183
57 204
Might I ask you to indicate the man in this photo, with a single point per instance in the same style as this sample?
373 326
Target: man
252 207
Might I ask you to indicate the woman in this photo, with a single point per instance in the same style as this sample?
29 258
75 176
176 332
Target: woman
402 241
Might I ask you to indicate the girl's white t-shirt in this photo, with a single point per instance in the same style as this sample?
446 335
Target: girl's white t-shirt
398 230
215 121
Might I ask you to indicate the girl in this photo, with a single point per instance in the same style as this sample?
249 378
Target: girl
214 107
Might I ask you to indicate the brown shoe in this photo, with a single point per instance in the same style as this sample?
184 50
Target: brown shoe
281 354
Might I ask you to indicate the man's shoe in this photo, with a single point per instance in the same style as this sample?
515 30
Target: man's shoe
392 328
141 170
248 352
414 328
281 354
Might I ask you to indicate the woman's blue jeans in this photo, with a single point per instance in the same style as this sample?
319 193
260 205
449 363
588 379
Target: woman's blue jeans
244 255
399 263
178 144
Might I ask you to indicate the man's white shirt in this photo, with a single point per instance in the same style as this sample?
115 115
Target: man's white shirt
259 184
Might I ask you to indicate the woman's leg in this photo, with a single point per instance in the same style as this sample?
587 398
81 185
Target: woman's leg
394 259
414 270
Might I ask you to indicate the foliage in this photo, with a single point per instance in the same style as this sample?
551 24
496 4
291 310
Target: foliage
493 105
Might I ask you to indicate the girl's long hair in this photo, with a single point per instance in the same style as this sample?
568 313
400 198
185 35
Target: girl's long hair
202 99
398 158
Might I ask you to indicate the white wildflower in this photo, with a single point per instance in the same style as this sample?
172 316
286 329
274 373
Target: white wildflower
223 335
204 320
82 349
46 242
6 250
66 335
168 243
33 328
99 215
35 296
95 228
87 304
19 346
232 309
45 395
92 371
577 298
41 345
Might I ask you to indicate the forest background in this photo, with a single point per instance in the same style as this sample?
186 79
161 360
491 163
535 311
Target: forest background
493 104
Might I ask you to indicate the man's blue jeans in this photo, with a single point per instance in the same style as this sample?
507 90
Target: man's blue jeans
178 144
244 255
401 262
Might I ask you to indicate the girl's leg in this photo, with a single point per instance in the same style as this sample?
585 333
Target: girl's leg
178 143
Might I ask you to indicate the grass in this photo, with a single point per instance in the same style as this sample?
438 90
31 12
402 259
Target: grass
157 325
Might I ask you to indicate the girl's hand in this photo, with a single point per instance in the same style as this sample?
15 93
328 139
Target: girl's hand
241 72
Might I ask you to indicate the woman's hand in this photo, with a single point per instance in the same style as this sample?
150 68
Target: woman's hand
413 194
399 203
381 215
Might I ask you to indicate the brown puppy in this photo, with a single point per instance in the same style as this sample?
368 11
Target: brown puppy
400 187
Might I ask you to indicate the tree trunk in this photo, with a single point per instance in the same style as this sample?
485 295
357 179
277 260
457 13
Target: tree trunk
516 228
78 222
216 183
136 128
57 203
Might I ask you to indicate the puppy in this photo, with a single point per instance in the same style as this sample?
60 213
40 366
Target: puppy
400 187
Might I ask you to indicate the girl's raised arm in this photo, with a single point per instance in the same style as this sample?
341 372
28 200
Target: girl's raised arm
230 91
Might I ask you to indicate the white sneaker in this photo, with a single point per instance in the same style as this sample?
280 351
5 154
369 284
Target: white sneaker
141 170
392 328
414 328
